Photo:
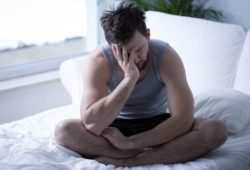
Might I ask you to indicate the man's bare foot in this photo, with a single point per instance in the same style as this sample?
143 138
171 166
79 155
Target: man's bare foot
108 161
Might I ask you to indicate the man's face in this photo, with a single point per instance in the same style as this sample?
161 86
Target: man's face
139 43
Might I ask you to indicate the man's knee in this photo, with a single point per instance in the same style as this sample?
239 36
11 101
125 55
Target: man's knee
64 131
215 133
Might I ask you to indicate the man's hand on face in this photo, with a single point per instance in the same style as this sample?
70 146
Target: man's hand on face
117 139
126 61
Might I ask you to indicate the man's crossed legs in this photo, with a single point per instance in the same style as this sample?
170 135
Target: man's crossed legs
205 135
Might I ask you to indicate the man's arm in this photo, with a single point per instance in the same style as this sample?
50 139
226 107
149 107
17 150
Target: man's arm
180 102
98 108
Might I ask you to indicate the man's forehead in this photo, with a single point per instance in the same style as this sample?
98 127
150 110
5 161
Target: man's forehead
132 45
135 46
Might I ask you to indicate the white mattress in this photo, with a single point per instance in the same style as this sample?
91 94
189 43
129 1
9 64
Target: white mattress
29 144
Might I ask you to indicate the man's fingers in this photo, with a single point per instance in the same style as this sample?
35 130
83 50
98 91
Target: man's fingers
110 131
116 52
113 46
125 54
132 57
105 135
119 53
108 137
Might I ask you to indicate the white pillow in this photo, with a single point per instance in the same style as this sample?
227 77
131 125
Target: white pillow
209 50
229 106
242 80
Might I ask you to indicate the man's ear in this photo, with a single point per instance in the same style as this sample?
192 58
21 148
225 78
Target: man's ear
148 33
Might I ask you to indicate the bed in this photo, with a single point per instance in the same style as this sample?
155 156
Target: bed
29 143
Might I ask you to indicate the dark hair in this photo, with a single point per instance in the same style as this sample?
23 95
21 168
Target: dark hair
119 25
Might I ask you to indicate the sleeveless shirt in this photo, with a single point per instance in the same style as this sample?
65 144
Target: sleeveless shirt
148 98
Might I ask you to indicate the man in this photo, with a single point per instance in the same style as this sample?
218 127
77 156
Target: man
130 85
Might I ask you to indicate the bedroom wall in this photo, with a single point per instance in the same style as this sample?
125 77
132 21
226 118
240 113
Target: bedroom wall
236 12
24 101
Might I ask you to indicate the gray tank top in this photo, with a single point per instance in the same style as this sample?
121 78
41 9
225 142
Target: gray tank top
148 97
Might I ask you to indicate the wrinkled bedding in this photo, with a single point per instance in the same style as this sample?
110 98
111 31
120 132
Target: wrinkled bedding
29 144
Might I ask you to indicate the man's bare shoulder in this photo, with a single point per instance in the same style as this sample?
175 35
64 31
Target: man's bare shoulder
171 65
97 58
170 56
97 64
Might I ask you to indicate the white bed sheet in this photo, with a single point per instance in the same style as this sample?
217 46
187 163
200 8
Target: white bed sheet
29 144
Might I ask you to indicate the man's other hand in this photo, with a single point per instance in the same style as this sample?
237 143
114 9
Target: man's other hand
117 139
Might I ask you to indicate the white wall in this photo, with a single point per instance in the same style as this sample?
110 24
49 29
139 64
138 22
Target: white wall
92 24
235 11
28 100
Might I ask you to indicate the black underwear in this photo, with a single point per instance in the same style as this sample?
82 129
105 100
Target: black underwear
131 127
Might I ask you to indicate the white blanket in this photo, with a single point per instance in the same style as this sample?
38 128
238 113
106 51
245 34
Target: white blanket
29 144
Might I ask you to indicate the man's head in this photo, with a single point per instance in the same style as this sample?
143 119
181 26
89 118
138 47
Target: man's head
120 24
126 26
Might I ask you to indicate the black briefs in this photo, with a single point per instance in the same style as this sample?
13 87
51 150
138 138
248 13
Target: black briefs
131 127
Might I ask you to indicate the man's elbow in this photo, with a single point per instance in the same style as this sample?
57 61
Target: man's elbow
187 124
93 129
184 124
